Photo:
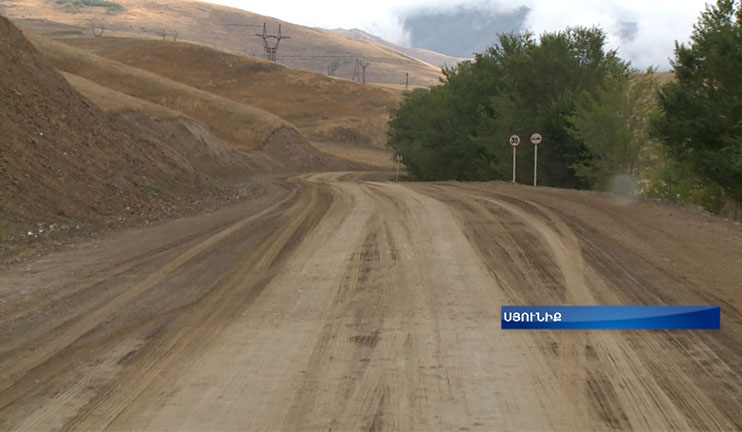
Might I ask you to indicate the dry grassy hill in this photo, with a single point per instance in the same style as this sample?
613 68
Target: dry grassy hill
239 99
324 108
242 126
226 29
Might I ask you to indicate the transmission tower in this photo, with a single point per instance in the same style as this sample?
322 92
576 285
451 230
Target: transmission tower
360 71
271 49
363 66
356 71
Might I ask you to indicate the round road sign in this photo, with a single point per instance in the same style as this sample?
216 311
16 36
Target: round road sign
514 140
536 138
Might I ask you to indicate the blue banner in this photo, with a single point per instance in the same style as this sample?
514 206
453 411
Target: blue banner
611 317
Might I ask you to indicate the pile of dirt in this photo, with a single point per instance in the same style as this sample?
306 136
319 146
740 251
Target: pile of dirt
63 159
66 165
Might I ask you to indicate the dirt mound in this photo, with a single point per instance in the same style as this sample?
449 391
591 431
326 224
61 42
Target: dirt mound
63 158
291 152
71 165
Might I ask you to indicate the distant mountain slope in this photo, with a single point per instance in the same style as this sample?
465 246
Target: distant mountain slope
432 57
227 29
462 30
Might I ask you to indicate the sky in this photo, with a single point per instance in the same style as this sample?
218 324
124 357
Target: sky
654 25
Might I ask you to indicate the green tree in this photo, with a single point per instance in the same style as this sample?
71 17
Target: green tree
700 121
613 124
543 80
521 85
435 129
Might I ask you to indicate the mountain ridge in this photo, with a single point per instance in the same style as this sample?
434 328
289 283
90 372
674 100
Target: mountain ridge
433 57
228 29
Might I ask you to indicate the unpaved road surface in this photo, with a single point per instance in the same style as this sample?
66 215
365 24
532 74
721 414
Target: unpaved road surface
343 303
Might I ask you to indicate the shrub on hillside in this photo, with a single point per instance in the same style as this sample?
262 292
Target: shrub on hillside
75 5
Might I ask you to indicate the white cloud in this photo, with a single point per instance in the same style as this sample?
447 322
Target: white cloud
658 22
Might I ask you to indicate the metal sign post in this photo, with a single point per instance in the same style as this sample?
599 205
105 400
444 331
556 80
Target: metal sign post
536 140
514 141
399 161
535 165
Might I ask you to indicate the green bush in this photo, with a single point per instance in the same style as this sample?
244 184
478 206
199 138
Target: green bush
458 129
672 180
76 5
613 123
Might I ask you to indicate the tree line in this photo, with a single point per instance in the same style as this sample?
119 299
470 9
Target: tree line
604 122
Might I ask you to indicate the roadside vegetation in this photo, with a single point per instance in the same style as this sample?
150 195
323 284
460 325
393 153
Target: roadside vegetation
700 113
74 6
606 125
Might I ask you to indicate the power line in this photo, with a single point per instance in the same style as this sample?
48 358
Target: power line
243 25
347 57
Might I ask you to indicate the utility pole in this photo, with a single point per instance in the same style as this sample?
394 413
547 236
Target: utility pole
271 49
407 80
97 29
399 162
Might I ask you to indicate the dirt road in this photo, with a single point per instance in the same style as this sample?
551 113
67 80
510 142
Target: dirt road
339 302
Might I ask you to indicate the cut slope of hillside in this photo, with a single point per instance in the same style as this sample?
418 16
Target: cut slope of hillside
63 158
197 144
243 126
232 30
324 108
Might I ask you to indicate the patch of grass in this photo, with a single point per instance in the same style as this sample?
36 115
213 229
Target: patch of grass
151 189
143 186
74 6
674 181
3 233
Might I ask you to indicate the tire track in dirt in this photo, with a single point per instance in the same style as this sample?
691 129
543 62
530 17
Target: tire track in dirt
363 305
72 330
656 393
180 343
73 357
